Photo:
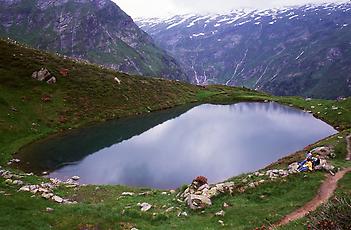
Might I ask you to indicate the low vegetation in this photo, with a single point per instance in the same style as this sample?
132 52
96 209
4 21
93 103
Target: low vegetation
32 110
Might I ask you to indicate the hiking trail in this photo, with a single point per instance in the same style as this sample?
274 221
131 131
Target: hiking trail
325 192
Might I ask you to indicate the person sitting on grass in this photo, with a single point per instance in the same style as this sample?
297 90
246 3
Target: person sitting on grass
306 165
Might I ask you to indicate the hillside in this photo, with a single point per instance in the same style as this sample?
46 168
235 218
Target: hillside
83 93
94 30
300 50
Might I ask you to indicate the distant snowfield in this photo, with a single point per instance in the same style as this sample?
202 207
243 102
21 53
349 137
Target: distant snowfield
239 17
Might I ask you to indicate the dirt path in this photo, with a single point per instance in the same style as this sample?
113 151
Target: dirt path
348 140
325 192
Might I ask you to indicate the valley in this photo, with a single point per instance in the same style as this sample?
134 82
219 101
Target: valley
285 51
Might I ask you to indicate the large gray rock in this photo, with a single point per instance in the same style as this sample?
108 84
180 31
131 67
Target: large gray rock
42 75
198 201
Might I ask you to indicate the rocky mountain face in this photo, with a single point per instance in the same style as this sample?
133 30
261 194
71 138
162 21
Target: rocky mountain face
301 50
94 30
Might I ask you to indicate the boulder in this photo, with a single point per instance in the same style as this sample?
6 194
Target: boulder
44 75
198 201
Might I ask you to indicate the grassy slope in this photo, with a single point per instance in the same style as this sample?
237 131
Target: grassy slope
89 94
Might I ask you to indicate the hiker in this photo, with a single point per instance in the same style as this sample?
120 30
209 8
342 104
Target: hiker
316 161
309 163
306 165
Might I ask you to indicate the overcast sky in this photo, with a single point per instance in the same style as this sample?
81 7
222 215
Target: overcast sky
164 8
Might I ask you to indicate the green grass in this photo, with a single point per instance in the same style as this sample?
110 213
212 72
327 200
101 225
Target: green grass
90 95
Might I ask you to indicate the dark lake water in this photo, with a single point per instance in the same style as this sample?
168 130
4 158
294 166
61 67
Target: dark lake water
169 148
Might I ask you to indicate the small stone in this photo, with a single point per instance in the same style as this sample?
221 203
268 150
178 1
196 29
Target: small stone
127 194
170 209
52 80
24 189
251 185
17 182
75 177
117 80
44 173
225 205
220 213
144 207
8 181
172 191
8 176
164 193
49 209
221 222
134 229
47 195
182 214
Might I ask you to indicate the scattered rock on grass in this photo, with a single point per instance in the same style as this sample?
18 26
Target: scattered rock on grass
49 209
127 194
144 207
57 199
220 213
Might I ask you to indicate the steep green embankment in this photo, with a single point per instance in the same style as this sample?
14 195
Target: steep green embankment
30 110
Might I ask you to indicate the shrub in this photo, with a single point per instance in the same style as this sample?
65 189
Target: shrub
335 215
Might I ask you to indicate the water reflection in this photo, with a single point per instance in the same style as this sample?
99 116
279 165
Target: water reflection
218 141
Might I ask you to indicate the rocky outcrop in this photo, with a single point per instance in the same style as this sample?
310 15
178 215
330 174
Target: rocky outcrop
44 75
198 194
44 190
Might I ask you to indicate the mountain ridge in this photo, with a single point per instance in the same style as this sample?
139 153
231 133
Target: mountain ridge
287 51
94 30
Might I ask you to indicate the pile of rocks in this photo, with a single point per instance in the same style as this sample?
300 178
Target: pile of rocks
275 173
199 193
45 190
44 75
324 152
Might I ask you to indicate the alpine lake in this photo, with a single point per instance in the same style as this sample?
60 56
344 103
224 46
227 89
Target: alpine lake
169 148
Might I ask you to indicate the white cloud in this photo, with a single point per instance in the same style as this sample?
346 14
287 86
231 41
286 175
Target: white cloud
164 8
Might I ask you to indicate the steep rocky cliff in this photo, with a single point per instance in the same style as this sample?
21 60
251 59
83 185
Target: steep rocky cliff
302 50
94 30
